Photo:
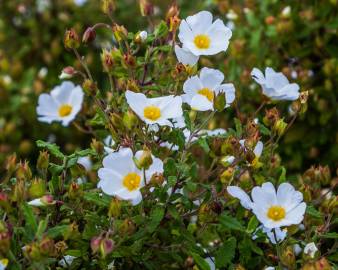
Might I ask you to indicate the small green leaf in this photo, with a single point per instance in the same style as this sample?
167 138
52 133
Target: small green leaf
204 144
238 126
231 223
201 262
57 231
170 167
161 30
226 253
155 218
282 177
313 212
52 148
97 199
29 217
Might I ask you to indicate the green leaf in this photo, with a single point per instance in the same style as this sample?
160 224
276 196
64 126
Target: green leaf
170 167
238 126
97 199
204 144
226 253
57 231
30 219
52 148
201 263
330 235
42 227
231 223
313 212
282 177
252 225
155 218
161 30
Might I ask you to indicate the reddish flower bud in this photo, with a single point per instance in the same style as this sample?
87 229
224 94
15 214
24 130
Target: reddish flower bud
89 35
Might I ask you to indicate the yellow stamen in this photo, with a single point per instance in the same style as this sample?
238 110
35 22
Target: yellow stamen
65 110
4 262
207 93
202 41
276 213
152 113
132 181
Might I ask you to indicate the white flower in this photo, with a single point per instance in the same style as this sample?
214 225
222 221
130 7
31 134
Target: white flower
227 160
275 85
42 201
310 249
120 177
273 209
200 91
155 110
62 104
66 261
269 268
80 2
275 235
185 57
286 12
143 35
201 36
3 264
232 15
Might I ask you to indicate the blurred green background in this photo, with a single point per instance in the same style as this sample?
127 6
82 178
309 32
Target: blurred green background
297 37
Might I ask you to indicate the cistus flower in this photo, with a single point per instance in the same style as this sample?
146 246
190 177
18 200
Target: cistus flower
273 209
275 85
155 110
62 104
3 263
201 90
201 36
310 249
120 176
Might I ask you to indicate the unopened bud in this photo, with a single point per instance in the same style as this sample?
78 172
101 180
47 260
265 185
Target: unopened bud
120 32
271 117
106 247
280 127
89 35
129 120
114 208
75 191
23 171
11 163
97 146
227 175
89 87
174 23
37 188
71 39
116 121
47 247
145 161
43 160
127 227
322 264
108 6
219 101
157 179
107 60
129 60
67 73
288 257
146 8
172 11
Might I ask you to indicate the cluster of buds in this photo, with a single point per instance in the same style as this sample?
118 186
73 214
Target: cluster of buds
102 245
320 174
39 250
120 32
71 39
114 208
321 264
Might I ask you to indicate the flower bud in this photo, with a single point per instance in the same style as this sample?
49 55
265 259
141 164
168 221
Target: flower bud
280 127
269 20
116 121
5 237
32 252
271 117
288 258
23 171
172 11
11 163
37 188
106 247
60 247
309 266
227 175
43 160
157 179
89 35
71 39
89 87
120 32
129 120
47 199
219 101
114 208
205 213
72 232
174 23
97 146
18 191
107 60
129 60
141 37
95 244
127 227
108 7
47 247
322 264
132 85
75 191
146 8
145 161
67 73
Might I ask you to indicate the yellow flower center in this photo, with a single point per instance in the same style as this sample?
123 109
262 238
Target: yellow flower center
202 41
207 93
65 110
4 262
132 181
152 113
276 213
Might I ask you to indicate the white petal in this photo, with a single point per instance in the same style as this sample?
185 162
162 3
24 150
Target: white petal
62 93
192 85
185 32
211 78
200 22
229 90
137 102
185 57
296 215
258 149
172 108
121 162
241 195
258 76
288 197
201 103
